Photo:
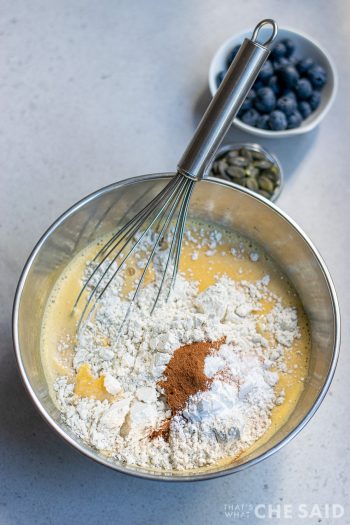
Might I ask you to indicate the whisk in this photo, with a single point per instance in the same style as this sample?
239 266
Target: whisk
174 199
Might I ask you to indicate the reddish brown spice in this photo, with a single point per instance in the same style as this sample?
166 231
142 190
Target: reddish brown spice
163 431
184 376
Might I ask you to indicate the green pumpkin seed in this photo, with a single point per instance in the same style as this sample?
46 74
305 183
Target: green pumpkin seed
246 153
275 170
263 164
215 168
241 162
266 184
231 161
226 177
258 155
252 171
251 183
232 154
269 174
222 167
235 171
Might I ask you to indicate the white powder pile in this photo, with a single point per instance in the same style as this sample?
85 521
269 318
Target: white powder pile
219 422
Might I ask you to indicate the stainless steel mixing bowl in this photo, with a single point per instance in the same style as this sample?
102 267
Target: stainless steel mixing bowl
213 200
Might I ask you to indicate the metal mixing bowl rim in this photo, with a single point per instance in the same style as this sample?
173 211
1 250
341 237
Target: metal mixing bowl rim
144 474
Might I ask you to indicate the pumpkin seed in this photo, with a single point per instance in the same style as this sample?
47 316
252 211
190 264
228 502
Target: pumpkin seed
251 183
232 154
258 155
275 170
269 174
244 152
235 171
237 181
263 164
241 162
231 161
266 184
222 168
215 168
226 177
252 171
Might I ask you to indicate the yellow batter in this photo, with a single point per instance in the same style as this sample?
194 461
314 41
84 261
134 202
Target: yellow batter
59 324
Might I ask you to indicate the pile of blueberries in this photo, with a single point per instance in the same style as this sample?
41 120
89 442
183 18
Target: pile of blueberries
287 90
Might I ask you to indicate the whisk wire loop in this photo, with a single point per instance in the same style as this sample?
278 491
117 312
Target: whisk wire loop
155 248
127 231
158 215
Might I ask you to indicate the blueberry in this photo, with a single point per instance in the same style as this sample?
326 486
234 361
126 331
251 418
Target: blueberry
289 45
279 50
265 100
294 120
289 93
231 56
293 60
258 84
220 77
303 89
286 104
248 102
251 93
250 117
304 109
289 76
317 76
280 63
277 120
274 84
266 71
263 122
315 100
304 65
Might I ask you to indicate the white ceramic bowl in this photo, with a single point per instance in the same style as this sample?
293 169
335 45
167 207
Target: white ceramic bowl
305 47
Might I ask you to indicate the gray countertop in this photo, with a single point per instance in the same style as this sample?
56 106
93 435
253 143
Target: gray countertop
93 92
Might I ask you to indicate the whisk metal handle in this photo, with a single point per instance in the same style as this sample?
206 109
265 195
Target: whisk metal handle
228 99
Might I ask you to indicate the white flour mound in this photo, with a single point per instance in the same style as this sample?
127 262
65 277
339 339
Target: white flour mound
217 423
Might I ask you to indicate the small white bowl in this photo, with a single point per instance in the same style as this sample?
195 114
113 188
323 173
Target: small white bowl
305 46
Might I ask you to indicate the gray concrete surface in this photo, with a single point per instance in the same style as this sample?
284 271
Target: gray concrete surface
93 92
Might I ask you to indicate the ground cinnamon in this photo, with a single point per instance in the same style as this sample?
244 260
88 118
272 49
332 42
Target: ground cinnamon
163 431
184 376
